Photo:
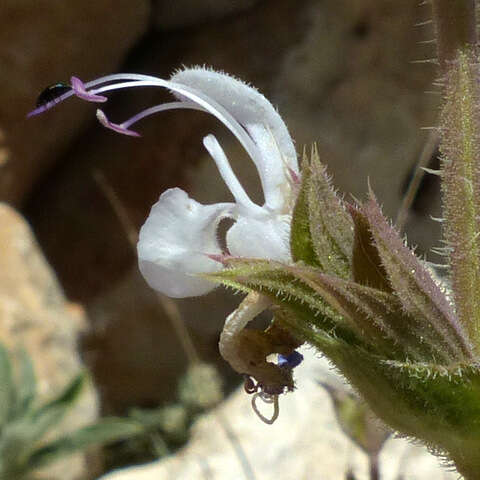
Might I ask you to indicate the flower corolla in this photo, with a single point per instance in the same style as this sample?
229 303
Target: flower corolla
179 239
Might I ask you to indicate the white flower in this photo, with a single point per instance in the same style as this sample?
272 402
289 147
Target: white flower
179 238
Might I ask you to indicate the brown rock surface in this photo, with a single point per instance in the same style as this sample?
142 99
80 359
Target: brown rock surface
351 85
43 42
134 349
35 315
181 13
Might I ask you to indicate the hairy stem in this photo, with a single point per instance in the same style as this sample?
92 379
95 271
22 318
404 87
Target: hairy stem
460 147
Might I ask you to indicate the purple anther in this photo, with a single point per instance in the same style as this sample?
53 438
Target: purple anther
116 127
81 92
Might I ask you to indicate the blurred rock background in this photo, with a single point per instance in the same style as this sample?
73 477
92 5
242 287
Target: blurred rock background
340 71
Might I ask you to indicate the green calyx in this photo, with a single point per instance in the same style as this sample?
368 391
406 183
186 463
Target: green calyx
359 295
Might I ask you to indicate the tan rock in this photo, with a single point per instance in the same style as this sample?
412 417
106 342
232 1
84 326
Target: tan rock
35 315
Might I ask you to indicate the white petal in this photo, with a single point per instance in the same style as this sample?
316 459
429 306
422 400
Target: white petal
263 123
174 243
257 237
229 177
225 170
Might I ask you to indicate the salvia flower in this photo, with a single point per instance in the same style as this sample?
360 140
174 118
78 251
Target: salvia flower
179 239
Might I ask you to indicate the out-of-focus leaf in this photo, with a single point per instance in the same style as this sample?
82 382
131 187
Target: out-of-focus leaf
7 387
27 385
53 412
171 420
20 436
357 420
105 431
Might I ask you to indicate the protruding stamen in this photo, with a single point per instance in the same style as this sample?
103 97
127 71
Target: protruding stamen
116 127
196 100
160 108
81 92
201 101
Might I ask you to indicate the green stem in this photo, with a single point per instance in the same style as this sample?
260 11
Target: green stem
455 26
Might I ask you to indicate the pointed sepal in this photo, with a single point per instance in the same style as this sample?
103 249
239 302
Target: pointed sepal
378 317
322 230
367 268
278 282
421 297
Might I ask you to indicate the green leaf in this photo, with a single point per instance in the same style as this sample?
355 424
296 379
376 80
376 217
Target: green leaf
105 431
7 387
26 389
20 436
358 314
